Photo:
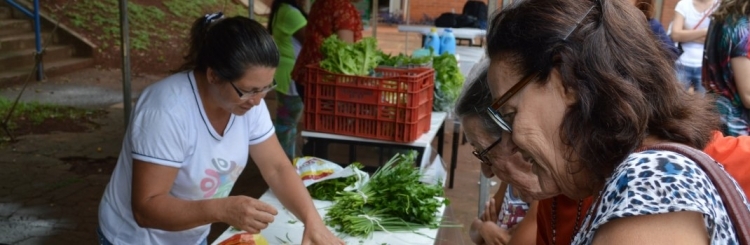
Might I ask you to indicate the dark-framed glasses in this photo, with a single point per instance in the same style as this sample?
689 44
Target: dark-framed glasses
494 109
252 94
483 154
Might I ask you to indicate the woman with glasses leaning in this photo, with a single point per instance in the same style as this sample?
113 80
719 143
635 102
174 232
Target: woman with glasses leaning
582 93
507 219
189 139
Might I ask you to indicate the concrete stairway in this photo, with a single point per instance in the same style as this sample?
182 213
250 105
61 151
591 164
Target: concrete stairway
17 49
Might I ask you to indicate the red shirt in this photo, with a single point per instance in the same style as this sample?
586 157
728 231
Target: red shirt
732 152
566 217
326 18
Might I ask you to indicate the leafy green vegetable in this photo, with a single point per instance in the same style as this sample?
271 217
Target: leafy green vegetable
448 82
327 189
448 77
350 59
393 200
402 60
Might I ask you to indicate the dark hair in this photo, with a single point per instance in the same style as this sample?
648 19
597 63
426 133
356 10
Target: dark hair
647 7
474 101
275 8
625 85
731 8
229 46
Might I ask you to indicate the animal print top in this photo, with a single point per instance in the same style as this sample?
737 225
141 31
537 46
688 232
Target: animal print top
658 182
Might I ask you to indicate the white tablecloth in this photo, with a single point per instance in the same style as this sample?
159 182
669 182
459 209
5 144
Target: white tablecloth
286 227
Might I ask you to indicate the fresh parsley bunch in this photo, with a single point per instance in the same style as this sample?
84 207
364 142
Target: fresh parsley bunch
393 200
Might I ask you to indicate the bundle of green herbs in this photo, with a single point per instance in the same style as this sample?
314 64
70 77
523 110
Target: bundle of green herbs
327 189
350 59
392 200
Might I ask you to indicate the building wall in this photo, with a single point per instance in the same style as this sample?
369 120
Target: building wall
433 8
667 13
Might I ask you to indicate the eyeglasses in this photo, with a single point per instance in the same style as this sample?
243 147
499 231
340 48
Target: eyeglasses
252 94
494 109
483 155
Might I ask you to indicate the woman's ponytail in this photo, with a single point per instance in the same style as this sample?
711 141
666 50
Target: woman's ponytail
197 39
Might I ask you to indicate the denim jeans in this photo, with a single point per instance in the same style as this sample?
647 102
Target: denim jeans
690 76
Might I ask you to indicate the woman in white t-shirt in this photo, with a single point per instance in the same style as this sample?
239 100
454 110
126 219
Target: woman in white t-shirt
689 28
189 139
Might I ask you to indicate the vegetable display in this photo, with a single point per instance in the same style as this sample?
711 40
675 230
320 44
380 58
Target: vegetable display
448 77
392 200
351 59
448 82
327 189
402 60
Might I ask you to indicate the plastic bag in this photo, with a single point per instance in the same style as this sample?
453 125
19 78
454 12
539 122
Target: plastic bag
313 170
244 238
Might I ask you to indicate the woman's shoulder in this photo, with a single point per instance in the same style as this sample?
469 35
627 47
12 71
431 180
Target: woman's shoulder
684 5
657 182
174 91
661 166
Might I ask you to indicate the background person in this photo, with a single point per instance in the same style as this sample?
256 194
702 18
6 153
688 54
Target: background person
287 26
727 66
647 7
689 28
327 17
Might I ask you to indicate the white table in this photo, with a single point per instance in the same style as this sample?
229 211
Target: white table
317 143
464 33
287 227
470 34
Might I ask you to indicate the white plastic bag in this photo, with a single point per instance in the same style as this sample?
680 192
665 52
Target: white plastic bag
313 170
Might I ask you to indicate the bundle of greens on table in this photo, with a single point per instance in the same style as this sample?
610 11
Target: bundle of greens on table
392 200
357 59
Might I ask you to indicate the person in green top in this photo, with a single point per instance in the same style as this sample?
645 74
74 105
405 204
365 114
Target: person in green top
286 25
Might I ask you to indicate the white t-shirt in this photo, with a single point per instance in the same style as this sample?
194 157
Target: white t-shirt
169 127
693 51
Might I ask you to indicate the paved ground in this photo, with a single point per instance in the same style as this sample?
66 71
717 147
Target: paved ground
50 185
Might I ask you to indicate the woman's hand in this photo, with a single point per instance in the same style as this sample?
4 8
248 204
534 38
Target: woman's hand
318 234
493 234
247 213
490 213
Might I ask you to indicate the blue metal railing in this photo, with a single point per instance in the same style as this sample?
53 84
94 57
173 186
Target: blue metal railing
34 15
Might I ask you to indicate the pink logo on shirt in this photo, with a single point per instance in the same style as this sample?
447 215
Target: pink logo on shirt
220 178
